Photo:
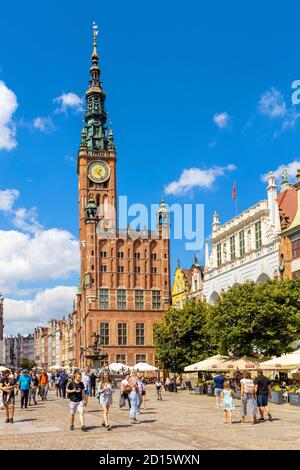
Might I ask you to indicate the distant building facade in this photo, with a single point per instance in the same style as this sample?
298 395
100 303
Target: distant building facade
244 248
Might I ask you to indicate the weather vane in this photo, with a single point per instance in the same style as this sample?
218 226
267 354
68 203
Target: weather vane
95 28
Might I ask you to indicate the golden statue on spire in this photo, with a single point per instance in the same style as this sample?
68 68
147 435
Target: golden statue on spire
95 53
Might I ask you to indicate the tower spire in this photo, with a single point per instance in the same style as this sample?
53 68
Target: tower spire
95 115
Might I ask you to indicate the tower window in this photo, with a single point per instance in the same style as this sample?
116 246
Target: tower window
154 270
103 268
121 299
120 254
104 334
139 299
122 334
137 255
103 298
102 254
120 269
137 270
140 358
156 300
140 334
153 256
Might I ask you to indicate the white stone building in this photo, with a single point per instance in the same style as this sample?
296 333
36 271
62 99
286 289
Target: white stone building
244 248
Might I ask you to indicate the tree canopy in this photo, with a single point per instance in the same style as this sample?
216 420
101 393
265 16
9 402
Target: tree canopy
183 336
257 318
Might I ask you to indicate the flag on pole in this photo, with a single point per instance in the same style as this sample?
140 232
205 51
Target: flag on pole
233 194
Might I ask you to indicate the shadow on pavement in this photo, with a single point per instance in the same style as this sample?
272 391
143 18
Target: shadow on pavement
24 420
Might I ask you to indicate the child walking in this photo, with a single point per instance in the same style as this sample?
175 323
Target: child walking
228 404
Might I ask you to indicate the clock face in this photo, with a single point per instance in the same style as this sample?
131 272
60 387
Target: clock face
98 171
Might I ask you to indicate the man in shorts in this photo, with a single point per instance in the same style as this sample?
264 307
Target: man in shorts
262 390
7 386
219 384
76 395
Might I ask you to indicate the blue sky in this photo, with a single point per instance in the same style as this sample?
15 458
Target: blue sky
200 86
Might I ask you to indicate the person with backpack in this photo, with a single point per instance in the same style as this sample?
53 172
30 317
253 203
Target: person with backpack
63 380
248 397
132 390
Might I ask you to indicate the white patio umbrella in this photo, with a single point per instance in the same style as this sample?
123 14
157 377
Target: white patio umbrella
117 367
286 361
211 363
244 363
144 367
3 368
56 366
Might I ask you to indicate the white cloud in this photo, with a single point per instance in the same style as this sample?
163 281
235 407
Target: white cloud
44 124
8 198
272 103
24 219
68 101
27 220
22 316
222 120
47 255
196 178
8 105
291 167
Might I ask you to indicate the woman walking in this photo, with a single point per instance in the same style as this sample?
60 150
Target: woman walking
133 397
228 404
105 391
247 397
33 388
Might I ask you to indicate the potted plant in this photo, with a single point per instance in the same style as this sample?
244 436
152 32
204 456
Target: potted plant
277 395
294 395
200 388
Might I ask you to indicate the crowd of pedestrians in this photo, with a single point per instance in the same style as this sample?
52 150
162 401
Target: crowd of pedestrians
79 386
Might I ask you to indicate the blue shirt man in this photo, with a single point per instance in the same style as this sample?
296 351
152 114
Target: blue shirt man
219 384
24 381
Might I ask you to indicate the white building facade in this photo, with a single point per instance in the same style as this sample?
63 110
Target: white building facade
246 248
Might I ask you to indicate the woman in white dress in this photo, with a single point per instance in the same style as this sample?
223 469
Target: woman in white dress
104 393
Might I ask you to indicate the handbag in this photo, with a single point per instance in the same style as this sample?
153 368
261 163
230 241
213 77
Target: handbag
122 401
127 389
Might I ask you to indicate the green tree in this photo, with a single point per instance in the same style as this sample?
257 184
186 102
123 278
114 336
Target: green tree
27 364
251 318
183 336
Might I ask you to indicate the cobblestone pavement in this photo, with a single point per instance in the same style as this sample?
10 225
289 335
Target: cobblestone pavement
181 421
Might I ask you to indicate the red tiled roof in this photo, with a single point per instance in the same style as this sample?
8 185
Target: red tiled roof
287 203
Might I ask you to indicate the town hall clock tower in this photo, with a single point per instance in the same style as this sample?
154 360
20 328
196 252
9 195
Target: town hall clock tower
124 279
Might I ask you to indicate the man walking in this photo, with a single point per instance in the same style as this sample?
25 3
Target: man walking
7 387
63 380
24 386
43 382
262 390
76 395
219 384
